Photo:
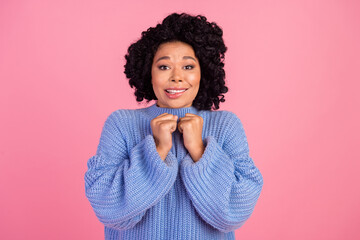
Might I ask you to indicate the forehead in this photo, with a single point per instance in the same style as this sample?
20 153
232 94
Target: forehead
175 48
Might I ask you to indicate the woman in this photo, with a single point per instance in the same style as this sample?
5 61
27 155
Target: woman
175 169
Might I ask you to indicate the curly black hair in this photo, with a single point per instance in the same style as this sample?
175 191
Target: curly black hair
208 44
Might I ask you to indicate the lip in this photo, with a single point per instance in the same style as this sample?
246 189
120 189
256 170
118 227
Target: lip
176 95
174 88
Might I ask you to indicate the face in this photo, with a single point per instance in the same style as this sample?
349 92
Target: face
175 75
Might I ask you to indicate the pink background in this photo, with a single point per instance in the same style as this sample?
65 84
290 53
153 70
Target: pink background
292 68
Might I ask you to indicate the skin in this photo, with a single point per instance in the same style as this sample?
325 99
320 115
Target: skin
171 69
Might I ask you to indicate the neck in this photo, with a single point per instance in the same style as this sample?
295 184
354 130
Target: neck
154 110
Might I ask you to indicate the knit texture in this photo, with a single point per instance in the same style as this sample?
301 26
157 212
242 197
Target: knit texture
137 195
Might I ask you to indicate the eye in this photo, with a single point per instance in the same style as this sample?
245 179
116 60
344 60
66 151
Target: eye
161 67
191 67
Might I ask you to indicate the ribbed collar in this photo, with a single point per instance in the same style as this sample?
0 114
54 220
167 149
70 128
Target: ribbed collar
155 111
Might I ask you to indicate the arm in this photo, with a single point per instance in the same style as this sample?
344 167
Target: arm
122 186
224 184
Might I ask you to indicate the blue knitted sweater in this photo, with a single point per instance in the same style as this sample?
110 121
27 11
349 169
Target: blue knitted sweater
137 195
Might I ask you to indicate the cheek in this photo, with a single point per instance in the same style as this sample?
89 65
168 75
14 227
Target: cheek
154 79
158 75
153 75
155 87
195 78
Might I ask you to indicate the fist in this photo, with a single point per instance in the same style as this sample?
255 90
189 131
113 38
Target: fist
191 127
162 127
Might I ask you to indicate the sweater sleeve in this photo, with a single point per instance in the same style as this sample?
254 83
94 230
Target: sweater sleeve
121 186
224 185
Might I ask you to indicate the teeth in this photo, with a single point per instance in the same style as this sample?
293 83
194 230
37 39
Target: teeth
175 91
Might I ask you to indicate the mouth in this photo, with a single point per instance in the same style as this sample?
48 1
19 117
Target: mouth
175 90
175 93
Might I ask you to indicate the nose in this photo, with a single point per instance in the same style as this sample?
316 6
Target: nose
176 80
176 76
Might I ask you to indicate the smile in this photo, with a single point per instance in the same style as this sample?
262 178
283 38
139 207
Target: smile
174 93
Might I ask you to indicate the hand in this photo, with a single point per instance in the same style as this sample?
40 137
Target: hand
162 127
191 127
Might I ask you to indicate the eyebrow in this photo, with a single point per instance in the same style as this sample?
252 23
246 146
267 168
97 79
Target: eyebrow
167 57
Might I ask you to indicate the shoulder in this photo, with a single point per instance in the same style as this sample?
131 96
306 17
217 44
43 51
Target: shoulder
222 125
125 119
224 117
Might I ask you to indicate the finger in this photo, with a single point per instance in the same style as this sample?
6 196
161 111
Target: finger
185 119
169 122
169 115
180 128
167 125
192 117
173 126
